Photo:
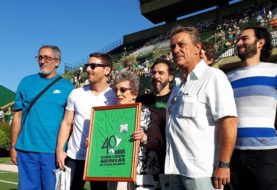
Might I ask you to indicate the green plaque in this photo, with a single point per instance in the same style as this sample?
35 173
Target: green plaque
111 152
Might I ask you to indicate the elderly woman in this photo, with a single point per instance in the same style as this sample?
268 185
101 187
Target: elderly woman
126 88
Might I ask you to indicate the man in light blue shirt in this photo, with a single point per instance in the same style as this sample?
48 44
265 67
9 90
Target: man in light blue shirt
34 132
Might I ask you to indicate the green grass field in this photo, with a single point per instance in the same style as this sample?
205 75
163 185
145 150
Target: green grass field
9 180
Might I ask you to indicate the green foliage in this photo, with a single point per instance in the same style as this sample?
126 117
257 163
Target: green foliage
4 136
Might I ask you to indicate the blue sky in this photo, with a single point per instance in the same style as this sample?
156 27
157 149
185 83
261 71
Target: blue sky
78 27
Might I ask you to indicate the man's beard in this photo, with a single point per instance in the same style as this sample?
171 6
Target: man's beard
158 86
249 51
46 72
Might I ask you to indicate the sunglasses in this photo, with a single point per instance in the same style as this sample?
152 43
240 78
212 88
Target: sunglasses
94 65
122 90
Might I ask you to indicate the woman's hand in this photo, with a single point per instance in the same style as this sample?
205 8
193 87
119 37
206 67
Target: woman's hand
140 135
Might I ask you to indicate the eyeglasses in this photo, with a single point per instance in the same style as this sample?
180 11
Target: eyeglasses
45 57
122 90
94 65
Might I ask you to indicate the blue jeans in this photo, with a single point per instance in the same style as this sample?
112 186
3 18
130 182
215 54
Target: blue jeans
178 182
36 170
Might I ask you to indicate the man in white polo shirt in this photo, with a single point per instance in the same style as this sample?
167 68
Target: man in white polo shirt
201 119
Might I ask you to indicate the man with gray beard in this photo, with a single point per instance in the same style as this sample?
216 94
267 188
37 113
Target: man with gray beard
35 124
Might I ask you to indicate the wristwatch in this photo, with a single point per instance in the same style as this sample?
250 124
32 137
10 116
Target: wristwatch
223 164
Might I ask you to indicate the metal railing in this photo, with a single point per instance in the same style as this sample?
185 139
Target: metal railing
111 46
71 67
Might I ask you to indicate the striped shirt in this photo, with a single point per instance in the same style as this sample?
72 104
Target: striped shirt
256 100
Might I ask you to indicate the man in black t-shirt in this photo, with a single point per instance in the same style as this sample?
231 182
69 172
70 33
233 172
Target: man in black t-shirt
162 74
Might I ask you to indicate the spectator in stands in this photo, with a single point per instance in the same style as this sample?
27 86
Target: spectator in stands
221 36
34 131
230 34
208 52
227 44
81 70
145 63
236 31
77 117
260 20
146 70
269 15
76 81
127 66
8 116
79 76
253 164
2 116
162 72
202 123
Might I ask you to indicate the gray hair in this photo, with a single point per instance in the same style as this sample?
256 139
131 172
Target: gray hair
131 77
192 31
57 51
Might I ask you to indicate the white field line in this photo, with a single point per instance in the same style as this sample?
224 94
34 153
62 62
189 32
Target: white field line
10 182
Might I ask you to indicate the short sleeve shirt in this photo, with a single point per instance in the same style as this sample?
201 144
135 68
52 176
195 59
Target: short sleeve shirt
81 101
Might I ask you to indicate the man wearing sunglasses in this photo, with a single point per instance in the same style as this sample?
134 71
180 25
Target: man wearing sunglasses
34 132
77 118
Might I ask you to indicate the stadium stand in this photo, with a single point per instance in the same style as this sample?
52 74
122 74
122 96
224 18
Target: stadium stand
220 26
